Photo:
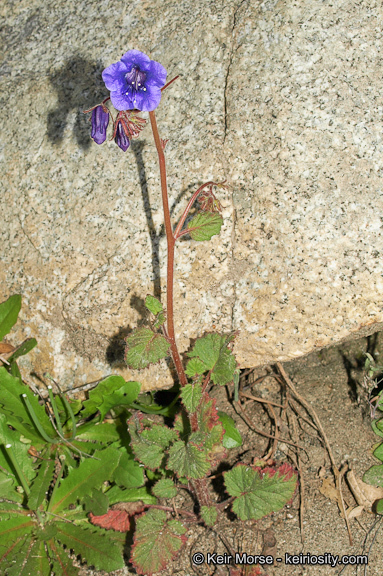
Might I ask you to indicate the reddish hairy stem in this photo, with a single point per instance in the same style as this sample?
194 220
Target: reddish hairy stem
170 264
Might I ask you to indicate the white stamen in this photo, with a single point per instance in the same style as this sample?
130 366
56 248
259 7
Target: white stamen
144 89
8 445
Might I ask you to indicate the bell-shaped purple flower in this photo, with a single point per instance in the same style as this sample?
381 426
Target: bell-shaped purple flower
100 121
135 82
120 138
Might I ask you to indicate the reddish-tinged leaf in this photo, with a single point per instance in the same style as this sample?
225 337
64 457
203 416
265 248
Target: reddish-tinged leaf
118 517
118 520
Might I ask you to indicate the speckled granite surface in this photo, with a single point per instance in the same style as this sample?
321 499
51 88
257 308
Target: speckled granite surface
284 100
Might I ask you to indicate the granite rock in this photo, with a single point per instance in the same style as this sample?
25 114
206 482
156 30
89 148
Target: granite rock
281 99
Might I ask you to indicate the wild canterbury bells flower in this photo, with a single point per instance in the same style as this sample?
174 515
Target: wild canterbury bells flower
135 82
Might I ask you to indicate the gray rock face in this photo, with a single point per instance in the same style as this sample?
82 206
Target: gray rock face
282 99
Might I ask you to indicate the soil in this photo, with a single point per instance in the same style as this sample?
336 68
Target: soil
331 381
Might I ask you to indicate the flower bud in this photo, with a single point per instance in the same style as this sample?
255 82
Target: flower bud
100 121
121 138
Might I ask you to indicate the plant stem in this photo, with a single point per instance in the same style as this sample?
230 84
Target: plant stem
170 244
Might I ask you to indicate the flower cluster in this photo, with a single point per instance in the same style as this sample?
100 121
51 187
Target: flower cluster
135 84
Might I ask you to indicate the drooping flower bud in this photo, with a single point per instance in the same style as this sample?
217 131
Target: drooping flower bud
100 121
120 138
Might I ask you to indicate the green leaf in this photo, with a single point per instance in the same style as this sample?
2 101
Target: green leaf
144 347
205 225
94 545
156 542
9 311
23 349
91 473
379 506
165 488
374 475
187 459
378 452
153 305
20 451
232 438
191 396
110 392
41 483
12 531
62 564
116 494
12 404
209 515
103 432
97 503
211 353
129 473
260 492
34 561
149 444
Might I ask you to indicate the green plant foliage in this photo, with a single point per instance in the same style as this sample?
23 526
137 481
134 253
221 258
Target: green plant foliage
129 473
211 353
13 405
97 502
117 494
9 311
149 443
42 482
374 475
103 553
260 492
231 438
110 392
23 349
189 459
153 305
205 225
209 515
191 396
92 473
165 488
145 347
156 541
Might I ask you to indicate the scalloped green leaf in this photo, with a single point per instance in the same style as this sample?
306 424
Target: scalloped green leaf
191 395
149 444
156 542
165 488
110 392
374 475
211 353
92 473
187 459
144 347
42 482
260 492
205 225
209 515
231 438
94 545
153 305
9 311
378 452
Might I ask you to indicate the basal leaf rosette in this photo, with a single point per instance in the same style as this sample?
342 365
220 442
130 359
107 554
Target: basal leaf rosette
258 492
157 540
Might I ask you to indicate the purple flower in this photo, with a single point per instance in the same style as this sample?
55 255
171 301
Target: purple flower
100 121
135 82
